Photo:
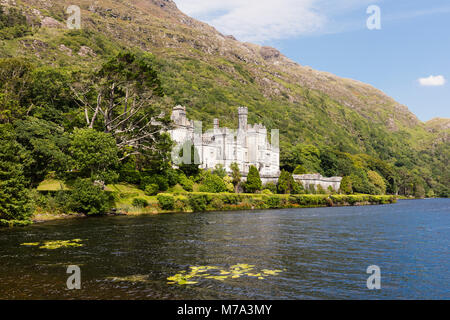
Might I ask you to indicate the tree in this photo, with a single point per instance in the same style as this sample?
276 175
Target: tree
47 144
88 198
285 183
121 99
14 197
14 86
253 182
95 153
300 170
377 181
212 183
306 155
220 171
236 175
346 185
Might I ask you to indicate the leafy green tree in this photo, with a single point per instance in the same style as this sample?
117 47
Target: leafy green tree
346 185
306 155
95 153
377 181
253 182
14 196
15 74
285 183
220 171
47 144
89 199
300 170
213 183
236 175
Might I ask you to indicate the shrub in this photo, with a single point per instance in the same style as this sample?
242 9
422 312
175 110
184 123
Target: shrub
346 185
161 181
217 203
266 191
253 182
151 189
198 202
273 201
213 184
271 187
139 203
89 199
186 183
166 202
320 190
181 205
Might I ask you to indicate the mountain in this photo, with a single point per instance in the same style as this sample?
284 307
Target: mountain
212 74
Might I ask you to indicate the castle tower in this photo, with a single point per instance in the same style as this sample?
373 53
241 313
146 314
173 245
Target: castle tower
179 115
242 114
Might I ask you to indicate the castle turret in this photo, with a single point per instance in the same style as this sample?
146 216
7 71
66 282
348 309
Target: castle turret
243 114
179 116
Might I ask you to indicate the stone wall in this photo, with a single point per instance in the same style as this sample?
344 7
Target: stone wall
317 179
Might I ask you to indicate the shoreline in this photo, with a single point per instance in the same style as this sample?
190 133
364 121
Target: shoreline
153 210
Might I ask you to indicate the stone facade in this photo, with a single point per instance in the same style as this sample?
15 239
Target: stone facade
247 146
317 179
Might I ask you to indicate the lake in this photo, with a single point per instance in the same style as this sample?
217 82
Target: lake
317 253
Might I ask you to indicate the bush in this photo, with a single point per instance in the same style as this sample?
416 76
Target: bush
273 201
161 181
213 184
166 202
271 187
89 199
346 185
217 203
198 202
266 191
253 182
139 203
186 183
151 189
321 190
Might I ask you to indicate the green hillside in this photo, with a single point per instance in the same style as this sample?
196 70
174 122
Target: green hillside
327 124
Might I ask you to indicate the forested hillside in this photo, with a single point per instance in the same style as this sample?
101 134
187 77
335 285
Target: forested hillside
55 89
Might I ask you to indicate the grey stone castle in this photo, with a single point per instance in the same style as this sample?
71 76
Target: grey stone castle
246 146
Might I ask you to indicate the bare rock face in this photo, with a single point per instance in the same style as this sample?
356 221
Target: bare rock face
86 51
269 53
49 22
66 50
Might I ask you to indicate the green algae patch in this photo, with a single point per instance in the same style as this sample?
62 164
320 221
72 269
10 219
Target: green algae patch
134 278
197 273
55 244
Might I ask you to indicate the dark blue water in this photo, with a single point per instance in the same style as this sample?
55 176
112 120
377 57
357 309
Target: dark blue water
323 252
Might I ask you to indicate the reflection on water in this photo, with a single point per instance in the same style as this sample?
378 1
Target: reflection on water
321 253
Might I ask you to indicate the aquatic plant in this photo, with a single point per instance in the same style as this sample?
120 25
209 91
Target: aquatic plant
55 244
216 273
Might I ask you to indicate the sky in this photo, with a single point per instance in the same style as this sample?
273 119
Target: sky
401 47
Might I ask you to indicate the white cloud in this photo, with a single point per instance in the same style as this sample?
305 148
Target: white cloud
257 20
432 81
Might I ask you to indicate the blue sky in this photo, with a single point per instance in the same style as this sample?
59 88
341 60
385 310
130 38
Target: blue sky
408 59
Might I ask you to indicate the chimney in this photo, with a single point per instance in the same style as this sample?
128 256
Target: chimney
242 114
216 123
